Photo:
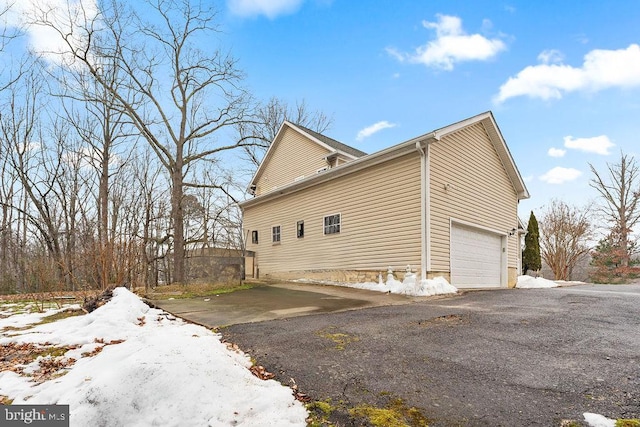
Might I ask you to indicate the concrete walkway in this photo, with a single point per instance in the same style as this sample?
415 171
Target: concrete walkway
276 301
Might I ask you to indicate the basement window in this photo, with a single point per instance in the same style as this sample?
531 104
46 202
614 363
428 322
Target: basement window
254 237
275 234
300 229
332 224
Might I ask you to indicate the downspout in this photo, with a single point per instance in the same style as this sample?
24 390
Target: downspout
425 226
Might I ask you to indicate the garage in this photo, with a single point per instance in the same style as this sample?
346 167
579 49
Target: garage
476 257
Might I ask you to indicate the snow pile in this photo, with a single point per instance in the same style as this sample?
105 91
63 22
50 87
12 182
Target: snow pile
597 420
165 372
528 282
409 286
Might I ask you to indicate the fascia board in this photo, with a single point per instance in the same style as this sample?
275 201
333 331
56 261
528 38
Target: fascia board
499 143
506 157
342 170
266 157
322 144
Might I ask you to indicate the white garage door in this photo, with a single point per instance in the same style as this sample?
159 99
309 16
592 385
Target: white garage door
476 257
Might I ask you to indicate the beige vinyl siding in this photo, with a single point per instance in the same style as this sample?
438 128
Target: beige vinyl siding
380 222
479 193
293 156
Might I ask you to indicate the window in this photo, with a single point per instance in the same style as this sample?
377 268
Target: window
254 237
300 229
275 234
332 224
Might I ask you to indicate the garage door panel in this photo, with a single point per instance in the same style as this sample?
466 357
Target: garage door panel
476 257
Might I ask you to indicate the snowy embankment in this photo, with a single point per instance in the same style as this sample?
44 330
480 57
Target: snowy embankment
135 365
409 286
529 282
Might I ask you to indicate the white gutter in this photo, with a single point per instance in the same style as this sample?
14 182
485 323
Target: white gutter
344 169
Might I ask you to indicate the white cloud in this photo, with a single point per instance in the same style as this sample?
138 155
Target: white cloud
452 45
87 157
560 175
600 70
556 152
395 53
269 8
376 127
67 15
597 144
528 178
551 56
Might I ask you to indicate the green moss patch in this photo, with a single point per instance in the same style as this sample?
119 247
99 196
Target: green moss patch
319 412
629 422
61 315
395 414
339 338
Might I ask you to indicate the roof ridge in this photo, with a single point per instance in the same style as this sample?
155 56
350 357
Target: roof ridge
337 145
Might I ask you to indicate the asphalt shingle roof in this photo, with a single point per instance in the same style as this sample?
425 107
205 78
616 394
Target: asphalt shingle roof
337 145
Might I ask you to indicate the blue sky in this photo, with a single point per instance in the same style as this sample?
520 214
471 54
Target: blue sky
562 78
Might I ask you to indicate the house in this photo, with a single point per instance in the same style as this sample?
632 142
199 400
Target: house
444 204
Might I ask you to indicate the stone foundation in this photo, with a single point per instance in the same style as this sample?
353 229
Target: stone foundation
346 276
512 277
360 276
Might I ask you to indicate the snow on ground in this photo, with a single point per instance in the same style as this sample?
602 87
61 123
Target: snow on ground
409 286
528 282
139 366
597 420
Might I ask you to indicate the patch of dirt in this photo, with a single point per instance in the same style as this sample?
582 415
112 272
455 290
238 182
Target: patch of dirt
447 320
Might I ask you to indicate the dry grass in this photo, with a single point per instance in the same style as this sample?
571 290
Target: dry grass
76 296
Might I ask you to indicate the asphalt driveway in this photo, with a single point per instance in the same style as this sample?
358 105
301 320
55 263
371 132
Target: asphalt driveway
485 358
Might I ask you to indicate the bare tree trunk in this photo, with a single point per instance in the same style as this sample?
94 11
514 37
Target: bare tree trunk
177 215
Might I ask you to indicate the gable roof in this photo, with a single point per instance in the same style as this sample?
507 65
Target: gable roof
486 119
337 145
328 143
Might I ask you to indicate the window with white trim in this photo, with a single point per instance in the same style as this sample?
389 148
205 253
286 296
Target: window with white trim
254 237
275 234
332 224
300 229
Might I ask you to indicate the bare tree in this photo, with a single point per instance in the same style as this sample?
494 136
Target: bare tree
10 70
620 202
36 168
103 129
6 34
180 98
565 233
154 223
